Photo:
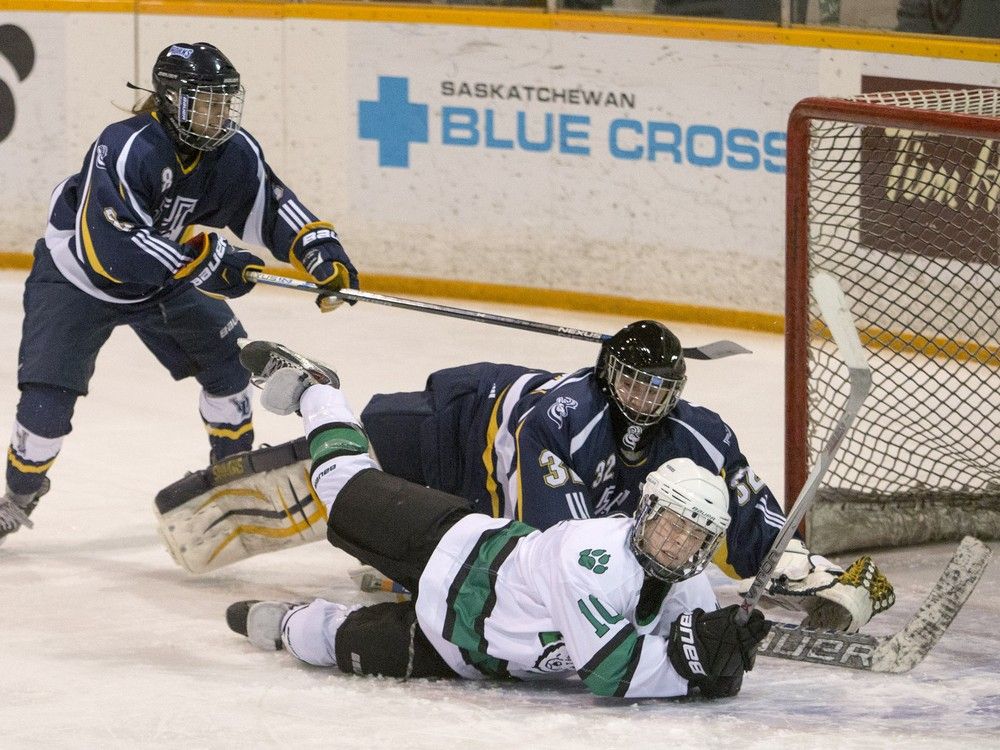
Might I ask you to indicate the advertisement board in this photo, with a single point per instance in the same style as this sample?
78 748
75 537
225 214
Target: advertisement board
632 166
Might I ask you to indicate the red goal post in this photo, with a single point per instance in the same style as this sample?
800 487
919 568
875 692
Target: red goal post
898 195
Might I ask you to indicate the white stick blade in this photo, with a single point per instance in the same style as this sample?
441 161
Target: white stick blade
909 646
838 318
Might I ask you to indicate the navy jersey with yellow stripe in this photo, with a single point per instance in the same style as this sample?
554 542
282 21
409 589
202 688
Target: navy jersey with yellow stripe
544 443
499 599
115 228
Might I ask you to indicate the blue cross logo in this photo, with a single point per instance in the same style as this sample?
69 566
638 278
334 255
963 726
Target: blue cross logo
393 121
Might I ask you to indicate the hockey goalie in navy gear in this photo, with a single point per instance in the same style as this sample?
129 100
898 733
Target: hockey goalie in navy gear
620 602
542 447
116 251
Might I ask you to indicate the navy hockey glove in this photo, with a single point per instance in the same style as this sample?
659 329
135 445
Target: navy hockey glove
218 269
711 650
320 254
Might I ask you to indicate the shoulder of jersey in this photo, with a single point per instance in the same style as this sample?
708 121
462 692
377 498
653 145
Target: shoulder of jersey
572 402
687 411
598 544
150 139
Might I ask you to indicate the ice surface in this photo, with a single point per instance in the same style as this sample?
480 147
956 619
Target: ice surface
105 642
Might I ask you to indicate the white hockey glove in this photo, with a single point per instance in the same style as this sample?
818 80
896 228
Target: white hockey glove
831 597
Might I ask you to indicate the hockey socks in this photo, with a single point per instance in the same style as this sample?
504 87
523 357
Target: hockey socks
337 444
228 421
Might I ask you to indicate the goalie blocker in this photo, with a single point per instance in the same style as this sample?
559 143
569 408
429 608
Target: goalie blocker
253 502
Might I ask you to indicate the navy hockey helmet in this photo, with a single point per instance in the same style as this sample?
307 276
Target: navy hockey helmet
198 95
641 369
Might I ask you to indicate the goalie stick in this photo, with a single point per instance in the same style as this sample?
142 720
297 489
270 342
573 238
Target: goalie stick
715 350
901 651
833 307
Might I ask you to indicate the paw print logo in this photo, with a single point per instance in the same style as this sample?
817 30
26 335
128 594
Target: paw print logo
16 48
595 559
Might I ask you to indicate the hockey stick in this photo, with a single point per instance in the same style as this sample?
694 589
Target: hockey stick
901 651
839 320
715 350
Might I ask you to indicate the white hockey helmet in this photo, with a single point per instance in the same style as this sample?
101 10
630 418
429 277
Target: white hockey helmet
681 519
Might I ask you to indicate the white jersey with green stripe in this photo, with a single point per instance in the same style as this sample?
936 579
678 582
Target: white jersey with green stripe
503 600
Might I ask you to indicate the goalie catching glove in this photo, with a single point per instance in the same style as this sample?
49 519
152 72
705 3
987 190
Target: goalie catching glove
319 253
832 598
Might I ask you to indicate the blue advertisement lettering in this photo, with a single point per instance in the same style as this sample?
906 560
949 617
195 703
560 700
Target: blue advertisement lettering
625 132
396 123
459 126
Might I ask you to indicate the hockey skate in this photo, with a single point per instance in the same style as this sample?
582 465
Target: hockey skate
15 509
259 621
283 375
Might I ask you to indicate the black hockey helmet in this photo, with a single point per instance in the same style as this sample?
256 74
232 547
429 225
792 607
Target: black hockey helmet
198 95
641 369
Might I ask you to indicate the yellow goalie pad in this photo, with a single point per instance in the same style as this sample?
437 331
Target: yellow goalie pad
248 504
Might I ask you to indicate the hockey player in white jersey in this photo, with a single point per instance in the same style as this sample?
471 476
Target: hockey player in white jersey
622 602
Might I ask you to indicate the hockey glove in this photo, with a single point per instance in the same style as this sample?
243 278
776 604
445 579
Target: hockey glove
320 254
217 268
831 597
712 650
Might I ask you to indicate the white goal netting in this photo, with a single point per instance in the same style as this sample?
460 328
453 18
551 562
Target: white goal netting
907 215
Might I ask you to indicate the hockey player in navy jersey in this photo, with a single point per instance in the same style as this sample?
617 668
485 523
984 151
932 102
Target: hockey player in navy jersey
117 251
621 602
543 447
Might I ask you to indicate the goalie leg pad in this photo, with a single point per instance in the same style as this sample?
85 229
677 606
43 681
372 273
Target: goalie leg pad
253 502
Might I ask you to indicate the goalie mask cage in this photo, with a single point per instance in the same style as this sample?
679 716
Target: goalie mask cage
898 195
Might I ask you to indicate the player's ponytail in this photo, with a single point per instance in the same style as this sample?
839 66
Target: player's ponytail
145 106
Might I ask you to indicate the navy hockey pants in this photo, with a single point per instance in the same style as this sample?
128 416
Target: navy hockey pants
64 329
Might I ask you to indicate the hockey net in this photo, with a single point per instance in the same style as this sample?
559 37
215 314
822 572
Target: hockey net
898 195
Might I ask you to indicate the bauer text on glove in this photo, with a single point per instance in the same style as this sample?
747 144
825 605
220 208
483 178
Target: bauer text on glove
712 650
319 253
218 269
